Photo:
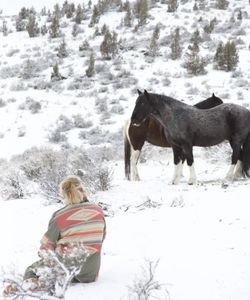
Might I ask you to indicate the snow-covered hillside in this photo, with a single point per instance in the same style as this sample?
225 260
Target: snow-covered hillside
198 234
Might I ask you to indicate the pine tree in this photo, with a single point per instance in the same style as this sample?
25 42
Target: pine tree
226 56
62 50
95 16
153 47
194 64
91 66
172 5
109 46
79 14
195 40
54 30
209 28
175 44
141 11
219 56
20 24
128 15
28 69
32 26
55 75
4 28
75 30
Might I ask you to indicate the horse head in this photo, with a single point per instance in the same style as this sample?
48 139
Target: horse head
215 100
143 108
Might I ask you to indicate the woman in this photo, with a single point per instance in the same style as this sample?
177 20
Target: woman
79 224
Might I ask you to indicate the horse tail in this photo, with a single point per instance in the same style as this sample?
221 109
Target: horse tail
127 151
246 157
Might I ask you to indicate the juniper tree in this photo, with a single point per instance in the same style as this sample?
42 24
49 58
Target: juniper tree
195 7
91 65
153 47
75 30
4 28
43 11
24 13
172 5
226 56
128 15
104 29
221 4
141 11
95 16
62 49
109 45
32 26
55 75
79 14
44 29
195 40
209 28
194 63
20 24
57 11
54 29
175 44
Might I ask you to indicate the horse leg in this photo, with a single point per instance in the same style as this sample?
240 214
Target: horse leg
188 152
178 162
236 147
135 154
238 173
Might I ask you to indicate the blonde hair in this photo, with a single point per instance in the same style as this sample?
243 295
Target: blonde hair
72 190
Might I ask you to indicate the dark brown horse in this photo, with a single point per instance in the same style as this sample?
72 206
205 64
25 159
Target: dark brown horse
152 132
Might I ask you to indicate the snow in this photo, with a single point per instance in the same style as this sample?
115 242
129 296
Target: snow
199 234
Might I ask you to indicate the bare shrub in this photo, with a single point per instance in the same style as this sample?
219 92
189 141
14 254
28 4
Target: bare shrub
64 123
146 287
2 103
56 136
31 104
80 122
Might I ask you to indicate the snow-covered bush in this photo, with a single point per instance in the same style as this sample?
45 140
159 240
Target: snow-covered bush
31 104
13 184
56 137
80 122
146 287
55 275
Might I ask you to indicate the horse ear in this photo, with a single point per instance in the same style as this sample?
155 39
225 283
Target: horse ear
146 93
139 92
213 95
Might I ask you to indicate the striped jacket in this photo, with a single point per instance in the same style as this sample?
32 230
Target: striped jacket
74 225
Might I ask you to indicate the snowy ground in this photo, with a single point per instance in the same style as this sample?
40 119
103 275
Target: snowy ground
199 234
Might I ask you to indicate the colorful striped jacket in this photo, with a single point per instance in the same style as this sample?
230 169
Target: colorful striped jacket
74 225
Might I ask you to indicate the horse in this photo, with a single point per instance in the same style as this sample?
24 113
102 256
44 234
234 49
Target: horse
186 126
152 132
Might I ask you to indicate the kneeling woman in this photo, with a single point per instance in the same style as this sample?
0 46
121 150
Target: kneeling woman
79 223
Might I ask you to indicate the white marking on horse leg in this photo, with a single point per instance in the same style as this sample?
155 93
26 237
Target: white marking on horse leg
177 173
192 175
133 163
238 173
230 174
